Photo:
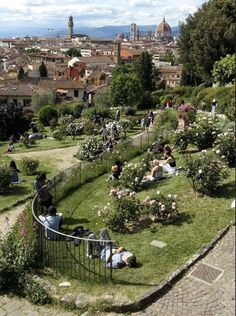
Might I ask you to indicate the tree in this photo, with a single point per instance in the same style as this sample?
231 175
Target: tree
13 120
21 73
144 69
73 52
125 90
207 36
40 99
43 73
224 70
46 114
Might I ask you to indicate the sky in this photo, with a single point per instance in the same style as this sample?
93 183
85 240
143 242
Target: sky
54 13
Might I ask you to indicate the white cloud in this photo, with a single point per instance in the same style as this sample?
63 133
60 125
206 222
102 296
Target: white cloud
94 12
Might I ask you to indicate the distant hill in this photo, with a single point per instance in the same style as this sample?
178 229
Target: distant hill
102 32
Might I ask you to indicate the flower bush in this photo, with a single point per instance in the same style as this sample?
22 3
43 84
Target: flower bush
133 173
187 112
18 254
123 209
181 139
5 177
90 147
126 208
161 207
74 129
206 172
29 165
203 133
224 147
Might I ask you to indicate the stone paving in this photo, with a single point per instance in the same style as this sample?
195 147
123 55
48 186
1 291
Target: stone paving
189 297
193 297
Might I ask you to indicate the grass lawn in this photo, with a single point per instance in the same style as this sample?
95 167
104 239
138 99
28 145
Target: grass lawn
23 190
42 144
201 218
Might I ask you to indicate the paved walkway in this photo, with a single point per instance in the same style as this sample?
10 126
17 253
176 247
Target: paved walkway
189 297
193 297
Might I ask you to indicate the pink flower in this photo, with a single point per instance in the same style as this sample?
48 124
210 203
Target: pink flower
132 194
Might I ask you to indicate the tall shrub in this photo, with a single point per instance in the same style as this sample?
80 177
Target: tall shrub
46 114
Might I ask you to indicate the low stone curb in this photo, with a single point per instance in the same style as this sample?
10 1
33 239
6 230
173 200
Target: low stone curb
157 292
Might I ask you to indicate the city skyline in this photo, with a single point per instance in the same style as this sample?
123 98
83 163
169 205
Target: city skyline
54 13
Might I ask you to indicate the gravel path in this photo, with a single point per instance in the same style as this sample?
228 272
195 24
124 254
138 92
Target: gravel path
62 157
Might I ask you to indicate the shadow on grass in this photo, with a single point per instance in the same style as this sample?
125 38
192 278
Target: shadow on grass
182 219
227 191
16 190
153 184
75 221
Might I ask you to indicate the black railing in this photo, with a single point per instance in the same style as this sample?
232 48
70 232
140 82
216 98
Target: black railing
66 254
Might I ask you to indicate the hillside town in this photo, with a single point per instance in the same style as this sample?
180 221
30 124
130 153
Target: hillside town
117 158
72 77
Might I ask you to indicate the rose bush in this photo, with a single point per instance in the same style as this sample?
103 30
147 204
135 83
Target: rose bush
203 133
206 172
126 208
161 207
89 147
224 147
133 173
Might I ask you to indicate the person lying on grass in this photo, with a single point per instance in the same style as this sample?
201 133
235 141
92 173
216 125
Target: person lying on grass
115 257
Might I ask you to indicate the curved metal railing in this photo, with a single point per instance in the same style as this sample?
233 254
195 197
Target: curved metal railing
66 254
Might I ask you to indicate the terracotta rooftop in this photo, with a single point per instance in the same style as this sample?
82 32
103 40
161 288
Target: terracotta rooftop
17 90
60 84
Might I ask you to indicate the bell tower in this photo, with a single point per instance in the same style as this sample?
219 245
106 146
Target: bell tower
117 49
70 26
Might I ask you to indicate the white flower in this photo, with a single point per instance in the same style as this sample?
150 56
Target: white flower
152 202
204 151
218 151
136 179
223 157
158 192
175 196
173 206
169 195
213 133
99 213
200 171
163 207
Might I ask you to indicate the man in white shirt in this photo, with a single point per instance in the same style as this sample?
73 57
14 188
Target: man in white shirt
52 220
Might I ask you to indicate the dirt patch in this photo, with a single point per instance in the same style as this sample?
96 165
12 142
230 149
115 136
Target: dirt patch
60 158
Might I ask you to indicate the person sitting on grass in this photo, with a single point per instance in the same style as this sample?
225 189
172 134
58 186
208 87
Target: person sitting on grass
116 170
52 220
114 257
167 150
156 172
14 172
169 164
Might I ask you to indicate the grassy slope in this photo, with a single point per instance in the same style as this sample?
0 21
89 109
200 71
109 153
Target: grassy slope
202 218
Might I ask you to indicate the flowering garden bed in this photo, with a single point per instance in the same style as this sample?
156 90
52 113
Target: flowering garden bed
199 219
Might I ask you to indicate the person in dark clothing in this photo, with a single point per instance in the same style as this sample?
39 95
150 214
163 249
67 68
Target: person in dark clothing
41 185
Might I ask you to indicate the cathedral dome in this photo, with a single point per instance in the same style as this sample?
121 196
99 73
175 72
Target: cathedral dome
163 29
120 36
